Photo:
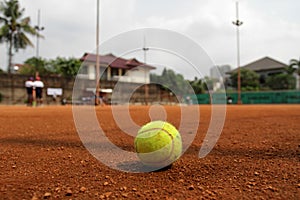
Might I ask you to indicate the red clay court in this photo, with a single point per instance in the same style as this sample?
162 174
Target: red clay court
256 157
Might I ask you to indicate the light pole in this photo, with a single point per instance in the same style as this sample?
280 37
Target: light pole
238 23
145 49
38 29
97 58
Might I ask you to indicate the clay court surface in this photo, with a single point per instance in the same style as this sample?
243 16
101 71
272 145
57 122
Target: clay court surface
256 157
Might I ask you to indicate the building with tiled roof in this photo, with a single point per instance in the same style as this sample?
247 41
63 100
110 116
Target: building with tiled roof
115 68
265 66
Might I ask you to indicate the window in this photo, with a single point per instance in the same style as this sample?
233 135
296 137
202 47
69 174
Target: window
103 73
114 72
84 69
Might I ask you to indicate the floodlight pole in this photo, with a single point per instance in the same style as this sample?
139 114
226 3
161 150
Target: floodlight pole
238 23
145 49
97 58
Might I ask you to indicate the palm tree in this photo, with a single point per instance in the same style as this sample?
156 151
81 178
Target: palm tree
295 64
14 28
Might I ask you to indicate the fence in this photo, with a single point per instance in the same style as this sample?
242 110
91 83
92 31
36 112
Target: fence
270 97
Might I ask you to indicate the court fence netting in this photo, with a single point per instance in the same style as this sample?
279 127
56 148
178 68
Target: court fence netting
265 97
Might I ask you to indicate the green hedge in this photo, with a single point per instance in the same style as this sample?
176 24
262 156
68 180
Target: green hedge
270 97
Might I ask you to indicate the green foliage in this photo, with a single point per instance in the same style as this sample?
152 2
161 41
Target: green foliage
154 78
171 81
281 82
67 67
0 97
14 28
295 64
33 65
176 82
290 69
249 80
198 85
209 83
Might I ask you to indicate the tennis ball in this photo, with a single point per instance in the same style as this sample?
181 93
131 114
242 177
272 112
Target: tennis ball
158 144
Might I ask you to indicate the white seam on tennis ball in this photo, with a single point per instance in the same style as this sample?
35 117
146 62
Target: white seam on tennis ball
172 148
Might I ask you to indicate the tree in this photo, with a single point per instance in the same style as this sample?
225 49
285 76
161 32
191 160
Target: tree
295 64
281 82
67 67
15 28
171 81
249 79
290 69
209 83
154 78
33 65
198 86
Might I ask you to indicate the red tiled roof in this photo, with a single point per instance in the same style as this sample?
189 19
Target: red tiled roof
113 61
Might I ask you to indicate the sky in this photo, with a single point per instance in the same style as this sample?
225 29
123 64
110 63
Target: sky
270 28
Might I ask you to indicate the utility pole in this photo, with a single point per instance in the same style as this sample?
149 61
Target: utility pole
97 58
238 23
145 49
38 29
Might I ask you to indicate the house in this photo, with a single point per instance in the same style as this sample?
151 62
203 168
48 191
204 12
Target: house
265 67
113 68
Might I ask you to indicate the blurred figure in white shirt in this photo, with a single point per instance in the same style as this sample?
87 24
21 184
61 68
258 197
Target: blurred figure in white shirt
29 89
38 86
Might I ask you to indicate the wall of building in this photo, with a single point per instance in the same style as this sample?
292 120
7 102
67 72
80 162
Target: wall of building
135 75
138 75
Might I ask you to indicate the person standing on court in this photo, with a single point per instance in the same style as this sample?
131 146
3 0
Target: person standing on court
38 86
29 89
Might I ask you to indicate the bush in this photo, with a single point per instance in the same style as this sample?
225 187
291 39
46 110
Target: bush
249 88
281 82
249 80
0 97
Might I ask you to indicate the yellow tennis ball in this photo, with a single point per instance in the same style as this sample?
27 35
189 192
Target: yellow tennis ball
158 144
